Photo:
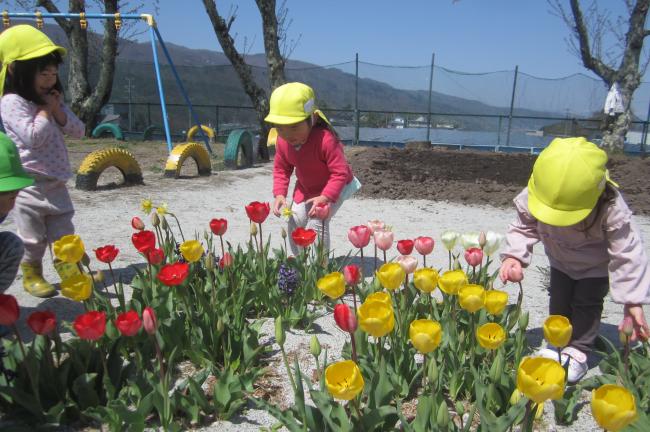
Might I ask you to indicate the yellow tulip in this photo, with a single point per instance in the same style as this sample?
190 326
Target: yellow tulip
146 205
516 397
490 336
332 285
425 279
496 301
376 318
425 335
78 287
613 407
391 276
192 250
558 330
69 248
451 281
382 297
540 379
344 380
471 297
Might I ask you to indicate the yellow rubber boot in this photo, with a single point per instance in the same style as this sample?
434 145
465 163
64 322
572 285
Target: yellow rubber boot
33 281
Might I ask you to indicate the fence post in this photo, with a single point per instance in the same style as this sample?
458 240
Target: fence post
512 104
356 100
499 131
645 132
433 58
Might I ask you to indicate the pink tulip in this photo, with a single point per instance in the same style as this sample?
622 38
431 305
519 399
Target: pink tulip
226 260
515 274
322 211
383 239
359 236
375 225
149 320
345 318
474 256
352 274
424 245
408 263
405 247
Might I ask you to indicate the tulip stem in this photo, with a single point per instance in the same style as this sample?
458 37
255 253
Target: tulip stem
119 298
37 395
361 266
286 365
20 341
375 257
179 225
449 252
355 403
626 356
385 257
354 347
527 423
222 248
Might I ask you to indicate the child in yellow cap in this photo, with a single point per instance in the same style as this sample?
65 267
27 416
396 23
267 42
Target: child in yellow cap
307 144
35 118
591 241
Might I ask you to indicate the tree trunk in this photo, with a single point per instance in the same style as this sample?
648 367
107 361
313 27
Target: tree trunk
274 58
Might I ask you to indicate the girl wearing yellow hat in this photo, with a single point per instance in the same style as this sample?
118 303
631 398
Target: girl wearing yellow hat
591 241
307 144
35 118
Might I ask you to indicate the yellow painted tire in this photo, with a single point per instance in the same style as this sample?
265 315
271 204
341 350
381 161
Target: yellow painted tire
181 152
96 162
194 130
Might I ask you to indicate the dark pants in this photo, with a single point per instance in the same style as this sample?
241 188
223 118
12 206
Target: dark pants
582 302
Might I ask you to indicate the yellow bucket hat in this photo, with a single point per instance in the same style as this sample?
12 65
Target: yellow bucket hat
23 42
292 103
568 178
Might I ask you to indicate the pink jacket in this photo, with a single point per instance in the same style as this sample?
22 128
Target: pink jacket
40 141
321 167
611 247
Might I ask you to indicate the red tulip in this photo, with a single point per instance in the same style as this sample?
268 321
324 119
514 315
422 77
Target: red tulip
137 223
106 254
144 240
154 256
128 323
149 320
359 236
226 260
173 274
91 325
303 237
474 256
515 275
345 318
352 274
9 311
424 245
218 226
383 239
42 322
257 211
405 247
322 211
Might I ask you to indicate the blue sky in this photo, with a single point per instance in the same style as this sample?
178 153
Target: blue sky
468 35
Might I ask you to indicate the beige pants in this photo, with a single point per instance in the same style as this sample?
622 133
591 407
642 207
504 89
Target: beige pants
43 214
300 219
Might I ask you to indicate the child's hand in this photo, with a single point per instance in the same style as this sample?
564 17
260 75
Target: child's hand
52 101
280 201
640 328
511 270
320 199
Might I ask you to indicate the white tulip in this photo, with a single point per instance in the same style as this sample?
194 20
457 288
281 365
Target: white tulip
449 239
493 242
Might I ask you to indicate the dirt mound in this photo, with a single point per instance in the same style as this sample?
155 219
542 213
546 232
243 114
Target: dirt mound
474 177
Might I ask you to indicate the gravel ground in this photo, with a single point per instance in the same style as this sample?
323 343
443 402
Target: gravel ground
103 217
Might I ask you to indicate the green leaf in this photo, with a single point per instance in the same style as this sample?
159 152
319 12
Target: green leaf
84 390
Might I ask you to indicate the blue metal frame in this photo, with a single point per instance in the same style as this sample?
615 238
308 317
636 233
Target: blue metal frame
155 34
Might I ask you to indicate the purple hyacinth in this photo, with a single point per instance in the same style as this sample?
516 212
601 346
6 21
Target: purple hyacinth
287 279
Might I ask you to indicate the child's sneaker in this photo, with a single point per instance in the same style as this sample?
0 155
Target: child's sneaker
547 353
577 364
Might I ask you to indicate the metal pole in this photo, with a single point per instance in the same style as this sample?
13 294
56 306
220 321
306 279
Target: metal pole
499 131
161 91
183 92
73 15
512 104
645 132
433 58
356 100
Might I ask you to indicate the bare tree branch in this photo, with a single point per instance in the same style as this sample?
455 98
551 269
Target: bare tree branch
51 8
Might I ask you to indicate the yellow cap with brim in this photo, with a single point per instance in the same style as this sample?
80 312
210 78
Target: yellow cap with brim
292 103
23 42
568 178
12 174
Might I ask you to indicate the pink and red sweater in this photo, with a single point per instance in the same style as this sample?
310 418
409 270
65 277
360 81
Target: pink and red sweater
320 164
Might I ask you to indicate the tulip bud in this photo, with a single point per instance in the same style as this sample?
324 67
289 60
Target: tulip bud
314 346
442 417
456 265
352 274
460 408
283 233
280 335
220 326
226 261
209 262
149 320
253 229
626 328
482 240
85 260
345 318
523 321
432 371
163 223
155 219
497 368
137 223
